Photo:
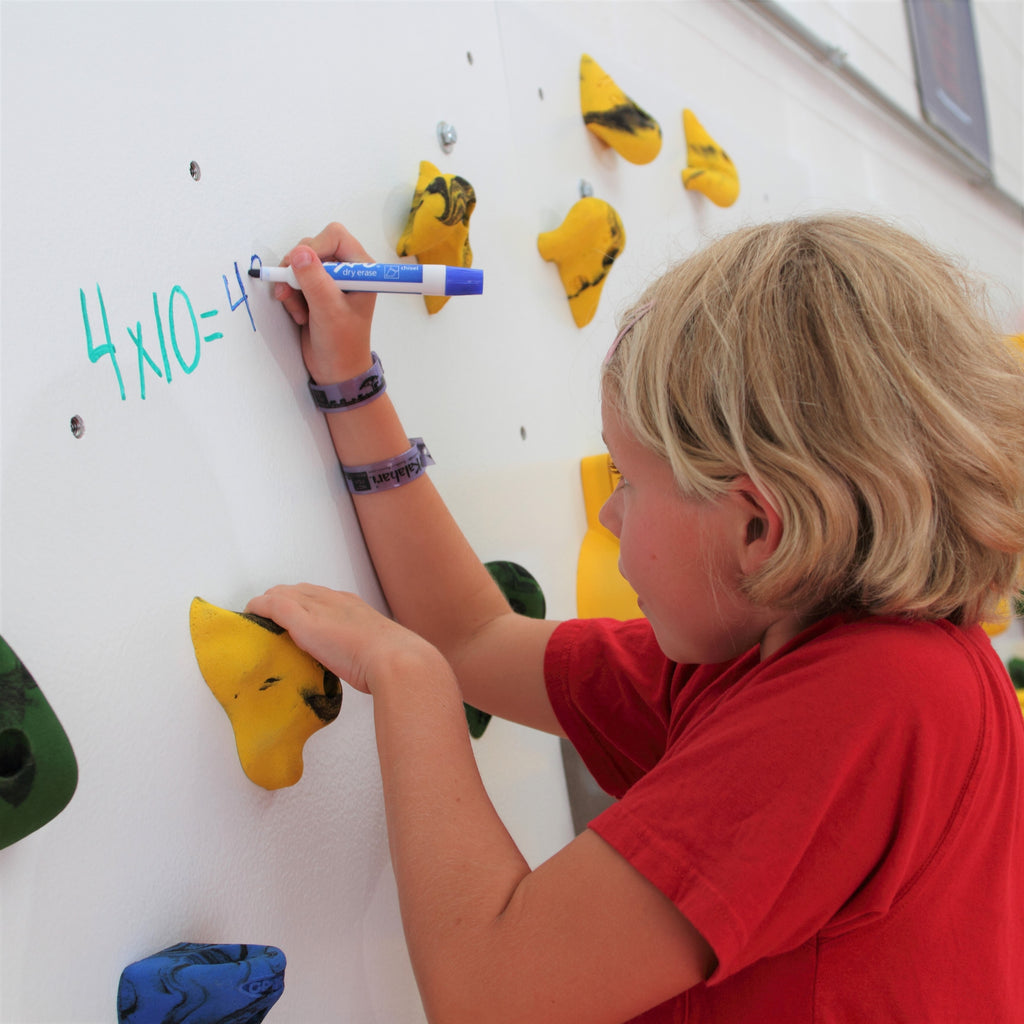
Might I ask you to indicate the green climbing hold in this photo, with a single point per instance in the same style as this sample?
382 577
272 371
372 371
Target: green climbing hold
38 771
521 590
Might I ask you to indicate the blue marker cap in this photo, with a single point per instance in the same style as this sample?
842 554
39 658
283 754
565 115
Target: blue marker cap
463 281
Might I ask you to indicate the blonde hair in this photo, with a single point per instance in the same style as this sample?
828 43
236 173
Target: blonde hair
849 371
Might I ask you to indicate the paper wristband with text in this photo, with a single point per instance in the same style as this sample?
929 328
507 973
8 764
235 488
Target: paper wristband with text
389 473
355 391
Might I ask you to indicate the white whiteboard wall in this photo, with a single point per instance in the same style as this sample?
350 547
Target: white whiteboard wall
222 481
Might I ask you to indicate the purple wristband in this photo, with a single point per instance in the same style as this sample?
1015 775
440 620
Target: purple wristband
389 473
356 391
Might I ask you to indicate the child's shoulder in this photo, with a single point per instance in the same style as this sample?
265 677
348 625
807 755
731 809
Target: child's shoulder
934 666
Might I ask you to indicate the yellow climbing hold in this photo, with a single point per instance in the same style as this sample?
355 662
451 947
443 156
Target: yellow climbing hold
614 118
437 229
601 590
275 694
708 167
584 248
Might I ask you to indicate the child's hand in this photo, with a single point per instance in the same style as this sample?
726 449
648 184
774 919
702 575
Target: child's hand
343 633
334 325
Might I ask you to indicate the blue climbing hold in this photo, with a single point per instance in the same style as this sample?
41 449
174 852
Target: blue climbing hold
202 983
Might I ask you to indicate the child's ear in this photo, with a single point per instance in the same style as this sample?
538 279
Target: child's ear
760 522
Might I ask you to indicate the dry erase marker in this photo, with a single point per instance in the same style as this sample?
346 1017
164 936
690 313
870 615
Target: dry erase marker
413 278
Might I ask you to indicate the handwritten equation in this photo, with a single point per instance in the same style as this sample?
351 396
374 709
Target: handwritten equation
180 333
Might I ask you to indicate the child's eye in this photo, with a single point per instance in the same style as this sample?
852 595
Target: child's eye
615 473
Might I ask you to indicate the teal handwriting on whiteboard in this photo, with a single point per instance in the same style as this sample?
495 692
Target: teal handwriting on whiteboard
182 328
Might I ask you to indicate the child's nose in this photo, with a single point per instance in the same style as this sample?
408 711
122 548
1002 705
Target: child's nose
610 516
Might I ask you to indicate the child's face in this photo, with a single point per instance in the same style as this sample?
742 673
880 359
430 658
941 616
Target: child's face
681 555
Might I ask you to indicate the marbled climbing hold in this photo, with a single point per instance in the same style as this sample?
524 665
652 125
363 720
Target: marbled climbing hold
202 983
584 248
38 770
274 693
437 229
521 589
614 118
708 167
523 593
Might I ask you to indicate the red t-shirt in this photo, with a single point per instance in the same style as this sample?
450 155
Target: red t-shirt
842 822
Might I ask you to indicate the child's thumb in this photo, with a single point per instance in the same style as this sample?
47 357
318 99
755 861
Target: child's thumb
314 281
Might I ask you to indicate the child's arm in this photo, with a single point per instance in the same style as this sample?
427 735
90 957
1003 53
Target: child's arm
432 579
584 937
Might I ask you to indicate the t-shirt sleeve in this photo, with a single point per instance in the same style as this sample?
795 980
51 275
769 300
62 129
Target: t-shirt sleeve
609 685
798 799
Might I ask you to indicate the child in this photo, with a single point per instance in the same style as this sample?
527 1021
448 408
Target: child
819 758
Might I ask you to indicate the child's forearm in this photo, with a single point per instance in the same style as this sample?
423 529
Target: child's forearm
455 864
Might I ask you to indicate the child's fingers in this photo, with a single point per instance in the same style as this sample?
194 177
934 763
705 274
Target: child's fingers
293 301
335 324
318 290
336 242
324 301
